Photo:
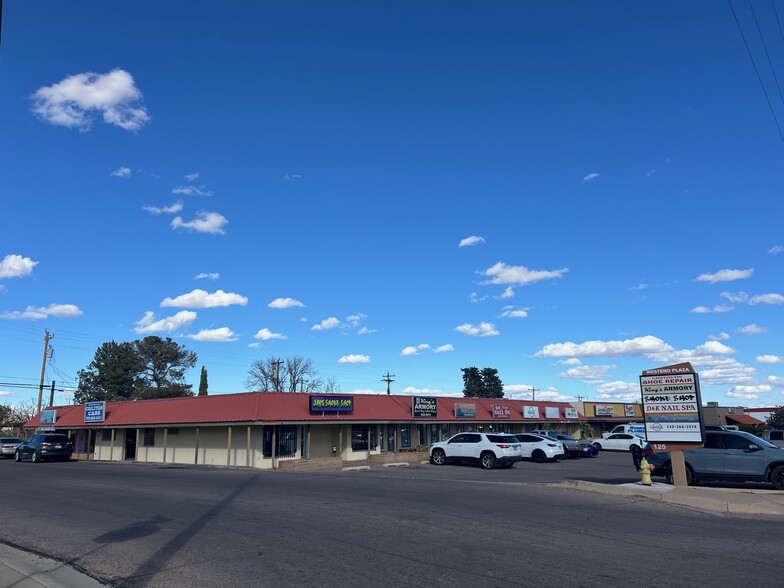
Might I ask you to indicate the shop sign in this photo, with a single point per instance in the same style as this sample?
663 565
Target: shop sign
47 417
94 412
331 403
628 410
570 413
672 407
551 412
531 412
465 411
501 411
424 407
604 410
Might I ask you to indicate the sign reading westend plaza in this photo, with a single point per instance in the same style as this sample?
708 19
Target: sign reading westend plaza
94 412
501 411
424 407
672 407
331 403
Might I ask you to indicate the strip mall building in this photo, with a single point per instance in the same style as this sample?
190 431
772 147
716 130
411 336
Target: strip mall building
270 430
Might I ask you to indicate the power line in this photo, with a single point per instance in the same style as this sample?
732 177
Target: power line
776 12
765 46
756 70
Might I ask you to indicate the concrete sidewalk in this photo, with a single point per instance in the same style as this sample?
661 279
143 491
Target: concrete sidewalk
22 569
718 500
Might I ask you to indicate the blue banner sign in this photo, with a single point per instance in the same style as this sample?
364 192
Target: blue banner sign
331 403
47 417
94 412
465 411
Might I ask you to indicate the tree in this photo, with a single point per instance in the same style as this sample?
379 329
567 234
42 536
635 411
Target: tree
164 365
472 383
295 374
113 374
203 382
776 419
491 383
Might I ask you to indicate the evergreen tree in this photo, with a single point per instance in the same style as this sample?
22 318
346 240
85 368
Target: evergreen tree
472 383
776 419
113 374
203 382
492 386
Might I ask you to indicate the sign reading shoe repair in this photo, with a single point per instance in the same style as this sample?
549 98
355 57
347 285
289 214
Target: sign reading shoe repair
672 407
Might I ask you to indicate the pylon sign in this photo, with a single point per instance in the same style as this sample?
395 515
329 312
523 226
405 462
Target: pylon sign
672 407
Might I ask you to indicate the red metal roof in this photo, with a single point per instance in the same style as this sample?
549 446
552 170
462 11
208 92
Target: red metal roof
743 419
275 407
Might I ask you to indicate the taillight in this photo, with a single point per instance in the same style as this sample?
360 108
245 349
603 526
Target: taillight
648 451
551 445
46 444
504 446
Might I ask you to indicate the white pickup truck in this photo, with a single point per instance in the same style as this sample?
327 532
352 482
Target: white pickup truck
631 428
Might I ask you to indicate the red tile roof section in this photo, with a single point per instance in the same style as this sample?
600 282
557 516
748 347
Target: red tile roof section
743 419
275 407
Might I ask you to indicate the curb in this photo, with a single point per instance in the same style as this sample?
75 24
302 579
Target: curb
398 464
356 468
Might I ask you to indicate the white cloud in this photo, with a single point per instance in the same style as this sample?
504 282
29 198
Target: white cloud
590 177
71 102
705 309
588 373
254 345
208 276
291 177
55 310
412 390
482 329
628 347
281 303
719 337
735 297
365 331
267 335
752 329
16 266
508 293
776 381
205 222
122 172
650 172
444 348
471 241
517 390
639 287
513 314
725 275
176 207
618 391
202 299
354 359
221 335
776 249
192 190
191 177
326 324
148 324
748 391
519 275
713 348
476 298
770 359
767 299
742 395
414 350
570 361
353 320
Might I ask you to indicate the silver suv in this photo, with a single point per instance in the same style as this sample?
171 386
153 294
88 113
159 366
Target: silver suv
486 449
729 456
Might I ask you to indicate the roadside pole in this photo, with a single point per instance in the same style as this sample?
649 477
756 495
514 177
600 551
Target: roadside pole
678 468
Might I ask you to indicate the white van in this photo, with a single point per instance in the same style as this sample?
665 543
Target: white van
630 428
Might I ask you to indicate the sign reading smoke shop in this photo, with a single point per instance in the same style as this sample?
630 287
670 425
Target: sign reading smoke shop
331 403
424 407
672 407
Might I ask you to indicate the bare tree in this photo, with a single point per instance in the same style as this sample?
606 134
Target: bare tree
295 374
332 386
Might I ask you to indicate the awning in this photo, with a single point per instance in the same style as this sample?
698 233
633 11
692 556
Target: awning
742 419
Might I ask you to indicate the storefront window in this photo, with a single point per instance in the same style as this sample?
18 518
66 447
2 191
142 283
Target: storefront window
374 436
287 441
422 434
405 436
359 438
149 437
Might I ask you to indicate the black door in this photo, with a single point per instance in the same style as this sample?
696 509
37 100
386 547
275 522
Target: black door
130 443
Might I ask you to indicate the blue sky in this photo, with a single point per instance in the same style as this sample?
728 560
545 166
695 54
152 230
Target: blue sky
568 192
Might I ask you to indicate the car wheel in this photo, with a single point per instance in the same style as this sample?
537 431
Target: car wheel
538 456
17 456
35 458
597 447
633 448
777 478
690 479
488 460
438 457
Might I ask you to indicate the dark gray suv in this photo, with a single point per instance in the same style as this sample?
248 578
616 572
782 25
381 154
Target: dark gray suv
40 447
728 456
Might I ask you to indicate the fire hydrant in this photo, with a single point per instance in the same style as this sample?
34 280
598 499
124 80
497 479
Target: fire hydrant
645 471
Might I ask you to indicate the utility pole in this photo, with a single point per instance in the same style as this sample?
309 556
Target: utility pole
47 337
533 392
277 365
51 395
388 379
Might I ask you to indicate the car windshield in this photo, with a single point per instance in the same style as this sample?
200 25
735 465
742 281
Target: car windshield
56 439
502 438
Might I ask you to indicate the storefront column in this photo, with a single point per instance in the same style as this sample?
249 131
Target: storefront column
138 435
274 447
228 449
111 447
165 439
247 448
196 452
307 440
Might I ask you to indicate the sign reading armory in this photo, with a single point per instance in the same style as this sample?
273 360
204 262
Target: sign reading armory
671 405
331 403
94 412
424 407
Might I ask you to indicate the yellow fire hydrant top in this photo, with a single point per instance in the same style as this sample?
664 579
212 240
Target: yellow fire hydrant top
645 472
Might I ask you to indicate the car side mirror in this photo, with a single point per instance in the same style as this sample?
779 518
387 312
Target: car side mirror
753 447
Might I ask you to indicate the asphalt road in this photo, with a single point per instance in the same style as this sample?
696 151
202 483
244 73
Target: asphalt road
163 526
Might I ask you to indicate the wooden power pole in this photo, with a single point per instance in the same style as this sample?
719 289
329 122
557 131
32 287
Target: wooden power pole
47 337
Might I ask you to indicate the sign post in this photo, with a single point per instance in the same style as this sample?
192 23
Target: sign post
672 409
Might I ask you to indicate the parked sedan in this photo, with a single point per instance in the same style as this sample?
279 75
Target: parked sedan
37 448
619 442
540 448
8 446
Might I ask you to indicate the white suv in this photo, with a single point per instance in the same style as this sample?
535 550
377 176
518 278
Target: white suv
486 449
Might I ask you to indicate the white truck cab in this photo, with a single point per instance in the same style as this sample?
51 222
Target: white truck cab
630 428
